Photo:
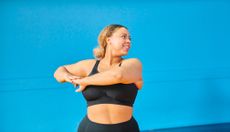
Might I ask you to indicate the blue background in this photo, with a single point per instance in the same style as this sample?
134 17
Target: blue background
183 45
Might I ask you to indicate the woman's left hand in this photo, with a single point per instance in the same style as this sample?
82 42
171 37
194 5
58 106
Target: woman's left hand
80 82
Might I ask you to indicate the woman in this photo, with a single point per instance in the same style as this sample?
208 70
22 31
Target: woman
109 84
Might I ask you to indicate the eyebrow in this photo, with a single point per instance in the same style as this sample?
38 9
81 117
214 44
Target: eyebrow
125 34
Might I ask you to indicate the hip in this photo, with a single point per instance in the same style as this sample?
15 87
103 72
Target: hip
87 125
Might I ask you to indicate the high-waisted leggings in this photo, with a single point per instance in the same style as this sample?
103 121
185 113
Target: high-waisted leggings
87 125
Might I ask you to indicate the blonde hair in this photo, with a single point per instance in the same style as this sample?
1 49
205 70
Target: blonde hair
99 51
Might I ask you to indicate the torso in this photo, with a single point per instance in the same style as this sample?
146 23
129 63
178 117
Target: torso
112 113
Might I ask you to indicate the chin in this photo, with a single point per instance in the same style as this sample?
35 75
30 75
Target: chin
124 54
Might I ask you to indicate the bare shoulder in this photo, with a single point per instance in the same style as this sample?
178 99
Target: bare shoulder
87 62
88 65
80 68
132 61
81 63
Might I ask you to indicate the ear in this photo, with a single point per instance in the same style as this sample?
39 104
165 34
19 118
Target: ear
108 40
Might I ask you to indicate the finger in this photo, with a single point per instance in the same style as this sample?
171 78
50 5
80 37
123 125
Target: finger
71 77
68 80
79 89
75 85
74 81
74 77
77 77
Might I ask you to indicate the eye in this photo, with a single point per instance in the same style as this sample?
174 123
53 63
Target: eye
123 36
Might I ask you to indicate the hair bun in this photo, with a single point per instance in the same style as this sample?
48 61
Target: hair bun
98 52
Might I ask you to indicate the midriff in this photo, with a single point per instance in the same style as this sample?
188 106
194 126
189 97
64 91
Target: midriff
109 113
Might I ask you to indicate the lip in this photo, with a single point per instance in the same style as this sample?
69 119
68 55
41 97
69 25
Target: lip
126 47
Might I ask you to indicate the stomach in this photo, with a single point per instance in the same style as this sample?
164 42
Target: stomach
109 113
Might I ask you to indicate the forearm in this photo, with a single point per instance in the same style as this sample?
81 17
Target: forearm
60 74
103 78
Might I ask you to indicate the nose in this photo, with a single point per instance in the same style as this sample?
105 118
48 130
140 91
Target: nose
128 40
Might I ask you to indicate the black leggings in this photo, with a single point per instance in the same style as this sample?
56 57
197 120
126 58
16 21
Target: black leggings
87 125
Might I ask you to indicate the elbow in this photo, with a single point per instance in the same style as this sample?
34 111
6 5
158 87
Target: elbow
57 76
58 79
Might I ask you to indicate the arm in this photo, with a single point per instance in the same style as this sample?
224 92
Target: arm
108 77
73 71
129 72
61 75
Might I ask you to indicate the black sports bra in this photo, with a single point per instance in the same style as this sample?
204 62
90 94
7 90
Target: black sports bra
123 94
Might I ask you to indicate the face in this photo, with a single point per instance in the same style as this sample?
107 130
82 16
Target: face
120 42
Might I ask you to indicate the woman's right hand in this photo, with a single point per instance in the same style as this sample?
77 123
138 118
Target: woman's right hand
69 78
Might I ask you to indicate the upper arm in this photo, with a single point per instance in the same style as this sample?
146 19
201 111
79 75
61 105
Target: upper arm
131 71
79 68
139 84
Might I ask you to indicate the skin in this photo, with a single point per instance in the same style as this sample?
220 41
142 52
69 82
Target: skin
109 73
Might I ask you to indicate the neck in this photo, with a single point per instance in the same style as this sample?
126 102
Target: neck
111 60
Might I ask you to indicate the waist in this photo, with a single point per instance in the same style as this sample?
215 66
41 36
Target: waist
109 113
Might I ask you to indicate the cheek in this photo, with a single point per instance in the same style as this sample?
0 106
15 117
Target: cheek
116 44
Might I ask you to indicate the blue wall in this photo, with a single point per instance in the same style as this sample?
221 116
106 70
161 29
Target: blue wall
184 47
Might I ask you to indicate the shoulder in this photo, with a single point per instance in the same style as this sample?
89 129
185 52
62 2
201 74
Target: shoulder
80 68
82 64
132 61
87 61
